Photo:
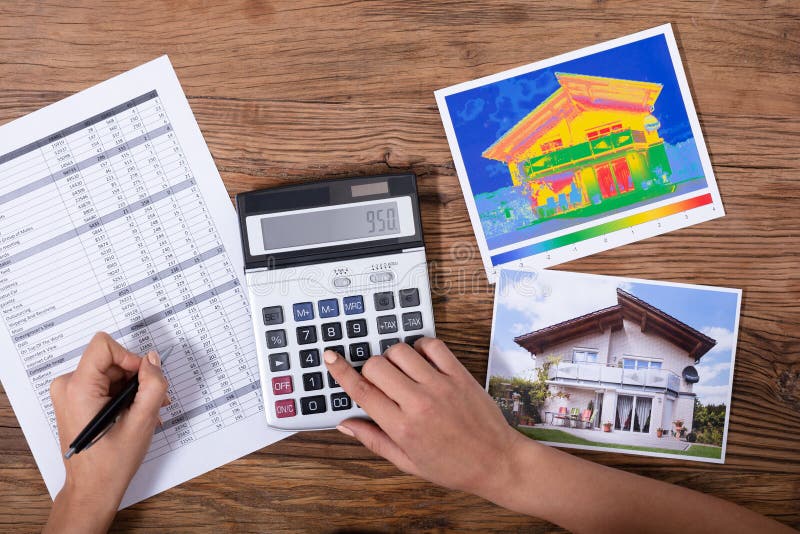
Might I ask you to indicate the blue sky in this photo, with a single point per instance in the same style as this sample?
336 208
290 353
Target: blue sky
482 115
529 301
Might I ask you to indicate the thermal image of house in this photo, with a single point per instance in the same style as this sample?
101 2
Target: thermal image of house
630 365
592 140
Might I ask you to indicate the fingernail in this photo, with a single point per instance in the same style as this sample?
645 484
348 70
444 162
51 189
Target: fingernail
169 399
344 430
330 356
152 356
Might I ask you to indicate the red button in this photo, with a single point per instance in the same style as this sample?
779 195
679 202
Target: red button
281 385
285 408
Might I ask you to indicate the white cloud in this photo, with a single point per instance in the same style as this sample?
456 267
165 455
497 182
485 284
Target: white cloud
718 372
724 337
712 394
510 363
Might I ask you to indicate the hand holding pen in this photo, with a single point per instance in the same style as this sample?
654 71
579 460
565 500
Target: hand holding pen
97 478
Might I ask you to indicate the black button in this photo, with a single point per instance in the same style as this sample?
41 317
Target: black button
410 340
309 358
272 315
332 383
306 334
388 342
312 381
358 369
315 404
279 362
340 401
357 328
276 339
409 297
339 349
384 301
387 324
359 352
412 321
331 331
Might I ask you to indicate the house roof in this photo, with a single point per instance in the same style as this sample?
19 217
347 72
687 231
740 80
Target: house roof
577 92
649 318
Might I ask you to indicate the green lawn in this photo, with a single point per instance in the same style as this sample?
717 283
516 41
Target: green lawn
559 436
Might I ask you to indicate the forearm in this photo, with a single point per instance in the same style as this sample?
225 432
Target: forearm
583 496
73 512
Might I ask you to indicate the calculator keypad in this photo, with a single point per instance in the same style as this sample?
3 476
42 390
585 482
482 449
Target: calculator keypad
352 320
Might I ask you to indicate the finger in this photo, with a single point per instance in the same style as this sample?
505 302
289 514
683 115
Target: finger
394 383
152 389
58 386
373 400
167 401
437 352
411 363
376 440
100 355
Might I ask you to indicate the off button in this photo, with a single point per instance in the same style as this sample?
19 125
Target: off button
341 282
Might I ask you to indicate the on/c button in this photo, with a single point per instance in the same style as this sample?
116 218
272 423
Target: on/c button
341 282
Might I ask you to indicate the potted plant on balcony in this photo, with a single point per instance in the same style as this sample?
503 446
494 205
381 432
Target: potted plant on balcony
659 432
607 426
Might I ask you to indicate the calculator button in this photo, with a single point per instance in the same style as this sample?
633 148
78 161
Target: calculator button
359 352
285 408
312 381
384 301
412 321
331 331
409 297
339 349
341 401
282 385
309 358
328 308
388 342
306 334
303 311
276 339
410 340
272 315
279 362
341 282
311 405
377 278
387 324
332 383
353 305
357 328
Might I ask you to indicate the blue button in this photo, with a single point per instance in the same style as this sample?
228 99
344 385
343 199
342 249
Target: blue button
353 305
328 308
303 311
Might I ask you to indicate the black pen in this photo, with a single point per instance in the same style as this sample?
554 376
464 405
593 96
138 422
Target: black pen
108 415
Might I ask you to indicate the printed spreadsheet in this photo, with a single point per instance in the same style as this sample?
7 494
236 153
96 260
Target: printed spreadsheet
111 223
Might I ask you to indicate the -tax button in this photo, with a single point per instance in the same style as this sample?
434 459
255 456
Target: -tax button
377 278
341 282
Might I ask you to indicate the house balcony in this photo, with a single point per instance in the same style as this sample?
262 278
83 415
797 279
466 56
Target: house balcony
596 373
559 160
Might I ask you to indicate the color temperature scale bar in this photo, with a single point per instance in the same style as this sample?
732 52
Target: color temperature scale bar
602 229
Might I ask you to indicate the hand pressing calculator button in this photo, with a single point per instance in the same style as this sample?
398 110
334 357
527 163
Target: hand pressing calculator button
334 265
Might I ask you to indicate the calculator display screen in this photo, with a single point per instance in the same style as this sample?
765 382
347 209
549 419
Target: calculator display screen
331 225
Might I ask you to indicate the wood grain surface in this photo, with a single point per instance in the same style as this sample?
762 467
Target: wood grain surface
291 91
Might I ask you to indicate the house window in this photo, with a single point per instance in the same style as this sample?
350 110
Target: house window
603 130
551 146
640 363
584 356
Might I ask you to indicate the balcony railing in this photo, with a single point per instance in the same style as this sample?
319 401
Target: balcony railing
575 153
596 372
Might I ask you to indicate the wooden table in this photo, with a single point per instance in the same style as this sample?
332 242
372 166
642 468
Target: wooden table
289 91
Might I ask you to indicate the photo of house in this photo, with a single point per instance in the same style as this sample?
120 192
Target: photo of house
613 368
592 142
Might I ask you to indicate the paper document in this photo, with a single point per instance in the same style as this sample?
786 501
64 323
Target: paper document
113 217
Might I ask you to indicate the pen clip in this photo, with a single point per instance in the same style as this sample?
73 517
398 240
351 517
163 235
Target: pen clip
103 433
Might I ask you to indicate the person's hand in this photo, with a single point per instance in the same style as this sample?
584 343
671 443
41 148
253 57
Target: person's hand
96 478
433 418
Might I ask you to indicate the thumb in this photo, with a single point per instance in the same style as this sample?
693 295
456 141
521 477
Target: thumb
152 390
376 440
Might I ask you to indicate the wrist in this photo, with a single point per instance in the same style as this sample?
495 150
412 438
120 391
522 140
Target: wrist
93 509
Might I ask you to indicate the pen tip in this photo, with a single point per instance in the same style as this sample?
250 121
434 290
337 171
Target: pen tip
69 452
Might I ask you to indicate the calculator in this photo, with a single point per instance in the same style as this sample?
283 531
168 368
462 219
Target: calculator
336 264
